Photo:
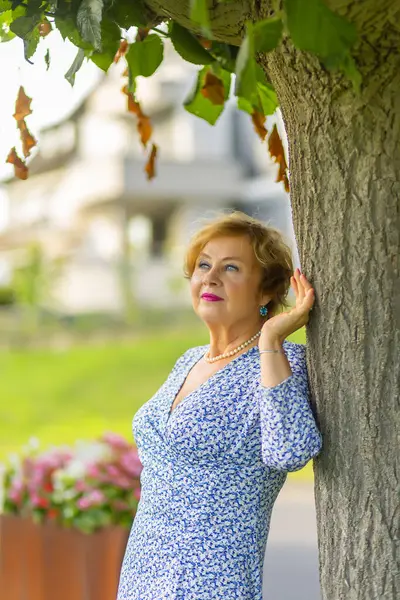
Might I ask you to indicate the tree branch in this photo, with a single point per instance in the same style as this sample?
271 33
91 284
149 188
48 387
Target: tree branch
228 19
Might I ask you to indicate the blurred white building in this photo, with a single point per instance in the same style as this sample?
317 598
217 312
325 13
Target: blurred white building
88 198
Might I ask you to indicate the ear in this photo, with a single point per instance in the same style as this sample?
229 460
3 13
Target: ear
265 298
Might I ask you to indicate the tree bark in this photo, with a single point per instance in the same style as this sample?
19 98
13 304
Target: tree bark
344 153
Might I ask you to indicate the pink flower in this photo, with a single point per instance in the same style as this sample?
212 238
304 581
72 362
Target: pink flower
137 493
16 491
115 441
93 498
113 471
93 471
130 462
123 482
39 501
120 505
81 486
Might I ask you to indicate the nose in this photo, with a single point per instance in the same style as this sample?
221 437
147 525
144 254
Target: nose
211 277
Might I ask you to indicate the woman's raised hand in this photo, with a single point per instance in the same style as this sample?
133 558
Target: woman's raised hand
279 327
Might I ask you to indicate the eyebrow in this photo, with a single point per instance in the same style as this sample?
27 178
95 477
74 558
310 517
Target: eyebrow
226 257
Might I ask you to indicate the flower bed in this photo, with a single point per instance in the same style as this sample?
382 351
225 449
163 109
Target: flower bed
66 519
87 487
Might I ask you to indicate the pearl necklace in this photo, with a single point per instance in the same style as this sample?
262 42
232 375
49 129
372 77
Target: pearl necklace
231 352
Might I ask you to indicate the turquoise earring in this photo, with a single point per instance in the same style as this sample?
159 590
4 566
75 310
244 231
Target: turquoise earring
263 310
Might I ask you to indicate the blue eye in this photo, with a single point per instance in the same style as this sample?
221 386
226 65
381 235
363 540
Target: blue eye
232 266
203 264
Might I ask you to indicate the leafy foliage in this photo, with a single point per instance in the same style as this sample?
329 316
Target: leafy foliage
144 57
200 104
188 46
96 28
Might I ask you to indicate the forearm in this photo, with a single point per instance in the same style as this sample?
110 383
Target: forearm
275 367
289 433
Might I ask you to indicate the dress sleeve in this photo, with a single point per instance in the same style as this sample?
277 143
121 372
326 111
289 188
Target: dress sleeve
289 433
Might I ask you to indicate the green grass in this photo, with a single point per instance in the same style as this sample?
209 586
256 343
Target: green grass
81 392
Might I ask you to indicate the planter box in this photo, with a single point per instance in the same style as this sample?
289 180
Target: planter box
47 562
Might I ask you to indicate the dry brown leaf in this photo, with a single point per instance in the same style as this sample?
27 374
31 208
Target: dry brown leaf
27 139
150 165
259 124
20 168
143 122
144 128
275 146
44 28
282 173
133 106
22 105
122 50
277 152
213 89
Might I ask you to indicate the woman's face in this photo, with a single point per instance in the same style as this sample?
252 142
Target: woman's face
225 284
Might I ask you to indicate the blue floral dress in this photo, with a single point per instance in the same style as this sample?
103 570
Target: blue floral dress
212 469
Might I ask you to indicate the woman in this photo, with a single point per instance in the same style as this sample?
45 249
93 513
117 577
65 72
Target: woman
218 438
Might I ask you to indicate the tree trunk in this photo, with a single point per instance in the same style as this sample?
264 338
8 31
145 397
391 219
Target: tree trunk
345 186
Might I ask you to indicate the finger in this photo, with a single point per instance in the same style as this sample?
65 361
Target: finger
309 299
300 287
293 283
306 284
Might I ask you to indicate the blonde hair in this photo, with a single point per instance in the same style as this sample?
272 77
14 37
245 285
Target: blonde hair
271 251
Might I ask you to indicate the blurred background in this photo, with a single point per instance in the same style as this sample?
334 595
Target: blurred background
94 308
92 252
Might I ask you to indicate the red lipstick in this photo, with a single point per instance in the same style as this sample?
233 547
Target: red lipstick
211 298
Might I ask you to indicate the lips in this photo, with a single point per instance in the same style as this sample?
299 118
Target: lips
211 298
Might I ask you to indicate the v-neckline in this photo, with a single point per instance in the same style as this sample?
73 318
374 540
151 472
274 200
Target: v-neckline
199 387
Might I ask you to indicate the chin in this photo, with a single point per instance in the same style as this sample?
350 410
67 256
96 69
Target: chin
209 314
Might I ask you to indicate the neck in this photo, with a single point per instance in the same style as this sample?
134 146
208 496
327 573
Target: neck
223 339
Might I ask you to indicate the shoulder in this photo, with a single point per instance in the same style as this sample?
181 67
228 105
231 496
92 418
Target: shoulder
190 355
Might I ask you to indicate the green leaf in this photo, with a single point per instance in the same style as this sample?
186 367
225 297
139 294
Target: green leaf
225 54
27 28
245 105
32 6
314 28
200 15
89 22
129 13
188 46
31 42
6 34
268 98
67 27
5 5
111 36
267 34
266 103
74 68
23 26
47 59
349 68
246 73
145 57
196 104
